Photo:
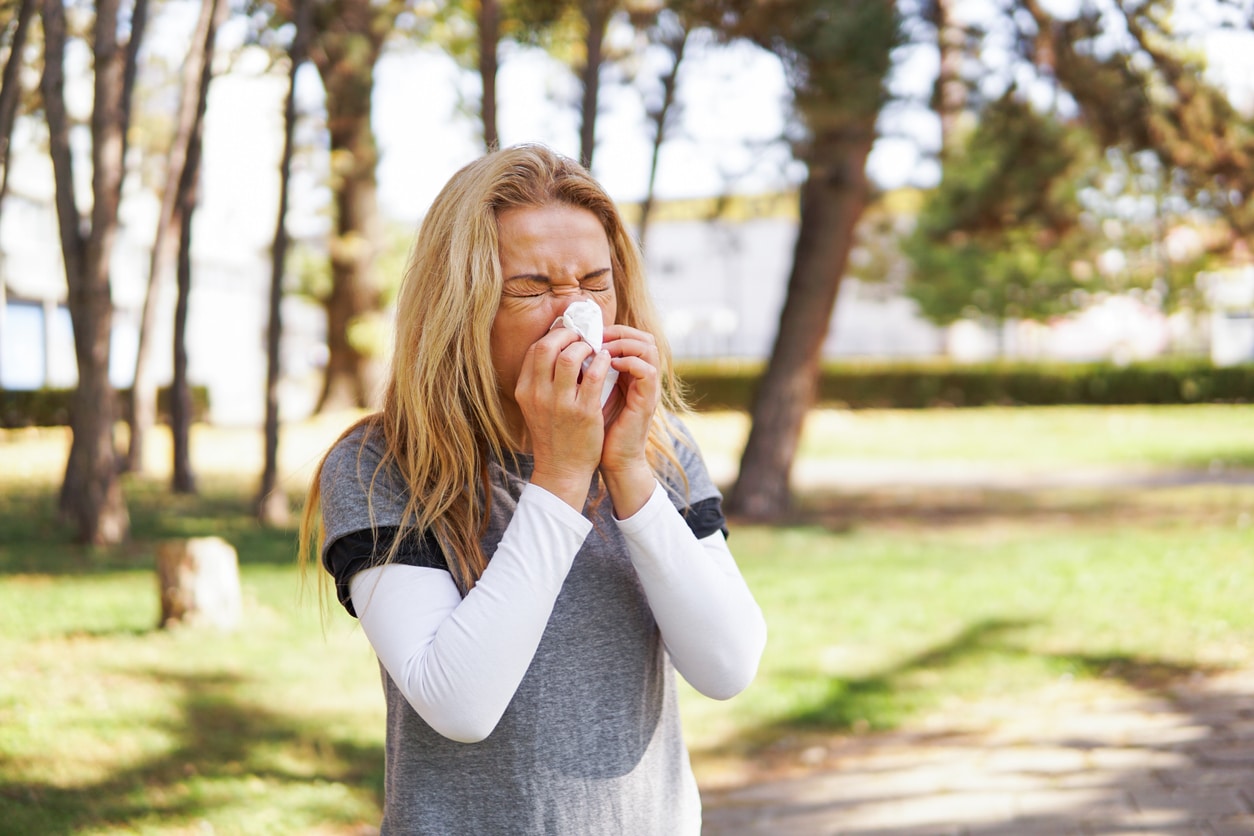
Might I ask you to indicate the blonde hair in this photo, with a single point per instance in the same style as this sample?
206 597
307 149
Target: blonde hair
442 418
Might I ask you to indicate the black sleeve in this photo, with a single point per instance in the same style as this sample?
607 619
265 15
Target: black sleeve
706 517
348 555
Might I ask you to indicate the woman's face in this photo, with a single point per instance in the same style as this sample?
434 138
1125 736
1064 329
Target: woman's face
550 256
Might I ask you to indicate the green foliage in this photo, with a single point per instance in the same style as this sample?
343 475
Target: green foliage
999 236
917 385
837 53
1155 96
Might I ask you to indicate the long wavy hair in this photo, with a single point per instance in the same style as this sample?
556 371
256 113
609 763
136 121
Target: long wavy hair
441 420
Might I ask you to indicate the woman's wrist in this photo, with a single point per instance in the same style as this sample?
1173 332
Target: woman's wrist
572 488
629 488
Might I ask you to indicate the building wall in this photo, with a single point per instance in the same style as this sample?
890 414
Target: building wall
720 287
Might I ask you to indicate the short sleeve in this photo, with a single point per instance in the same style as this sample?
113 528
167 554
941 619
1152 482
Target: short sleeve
356 493
700 501
359 550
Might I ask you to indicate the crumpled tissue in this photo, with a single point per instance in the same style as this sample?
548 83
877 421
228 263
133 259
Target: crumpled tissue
584 318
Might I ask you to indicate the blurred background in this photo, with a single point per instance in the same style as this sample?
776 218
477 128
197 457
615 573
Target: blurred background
962 292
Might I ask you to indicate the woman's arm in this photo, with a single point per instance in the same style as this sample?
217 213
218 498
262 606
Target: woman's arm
458 661
711 624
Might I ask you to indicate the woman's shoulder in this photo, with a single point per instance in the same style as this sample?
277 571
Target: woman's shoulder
360 448
356 479
694 484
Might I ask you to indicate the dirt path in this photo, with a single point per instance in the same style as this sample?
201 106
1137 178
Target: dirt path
1083 758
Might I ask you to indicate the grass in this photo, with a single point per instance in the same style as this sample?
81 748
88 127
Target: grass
884 608
1201 436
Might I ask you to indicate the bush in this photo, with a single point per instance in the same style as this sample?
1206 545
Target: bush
921 384
51 407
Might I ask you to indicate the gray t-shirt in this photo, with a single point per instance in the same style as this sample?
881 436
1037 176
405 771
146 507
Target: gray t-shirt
591 741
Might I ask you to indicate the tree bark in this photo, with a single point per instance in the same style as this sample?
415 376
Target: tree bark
91 495
271 503
349 41
182 476
949 92
832 200
196 67
597 15
489 38
11 89
675 42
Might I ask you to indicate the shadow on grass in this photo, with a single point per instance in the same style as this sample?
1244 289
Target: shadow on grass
934 507
890 698
227 752
885 699
34 539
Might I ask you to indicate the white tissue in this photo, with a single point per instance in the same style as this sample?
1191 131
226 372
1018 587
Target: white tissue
584 318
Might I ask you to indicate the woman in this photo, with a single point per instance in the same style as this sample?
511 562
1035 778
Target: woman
529 565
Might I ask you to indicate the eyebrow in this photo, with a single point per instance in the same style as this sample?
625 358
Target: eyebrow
539 277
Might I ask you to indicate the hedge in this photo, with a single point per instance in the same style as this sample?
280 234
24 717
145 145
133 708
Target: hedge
51 407
917 385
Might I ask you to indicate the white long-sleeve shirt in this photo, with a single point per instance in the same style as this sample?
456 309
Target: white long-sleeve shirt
543 700
459 660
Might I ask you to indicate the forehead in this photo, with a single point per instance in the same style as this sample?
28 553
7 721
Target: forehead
548 228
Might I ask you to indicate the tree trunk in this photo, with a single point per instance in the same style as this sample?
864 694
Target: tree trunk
675 42
597 15
198 583
489 37
182 477
832 200
949 92
196 67
11 89
138 22
272 507
346 59
91 494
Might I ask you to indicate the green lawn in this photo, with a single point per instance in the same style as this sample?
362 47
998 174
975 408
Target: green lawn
882 608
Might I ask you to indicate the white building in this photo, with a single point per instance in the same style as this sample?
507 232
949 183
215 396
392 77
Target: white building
1231 296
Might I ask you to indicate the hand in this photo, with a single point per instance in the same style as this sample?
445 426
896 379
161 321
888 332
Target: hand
562 411
629 415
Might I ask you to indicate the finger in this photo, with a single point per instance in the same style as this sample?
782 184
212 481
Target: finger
595 370
634 347
639 368
568 367
626 332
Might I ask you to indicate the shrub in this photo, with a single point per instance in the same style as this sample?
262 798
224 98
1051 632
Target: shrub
920 384
51 407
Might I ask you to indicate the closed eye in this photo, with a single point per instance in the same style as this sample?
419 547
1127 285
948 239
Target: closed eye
526 287
597 282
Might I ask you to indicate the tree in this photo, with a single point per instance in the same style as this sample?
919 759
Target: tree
576 29
489 39
91 494
272 503
348 40
837 54
997 239
1152 95
193 97
10 84
670 32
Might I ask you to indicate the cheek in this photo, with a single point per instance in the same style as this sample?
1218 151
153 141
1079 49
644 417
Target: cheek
609 309
513 332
